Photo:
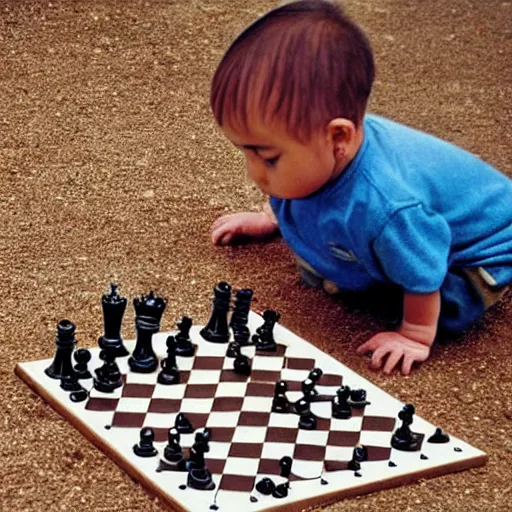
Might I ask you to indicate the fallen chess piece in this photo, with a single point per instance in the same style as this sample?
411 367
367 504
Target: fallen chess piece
145 446
265 486
242 365
281 491
439 437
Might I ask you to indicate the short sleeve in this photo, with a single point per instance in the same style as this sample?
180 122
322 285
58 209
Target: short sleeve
413 249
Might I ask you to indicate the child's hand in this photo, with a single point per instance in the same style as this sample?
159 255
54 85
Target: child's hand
252 224
397 348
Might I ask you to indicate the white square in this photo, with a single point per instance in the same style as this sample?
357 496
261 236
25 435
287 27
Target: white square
228 363
207 349
184 363
322 409
276 451
241 466
314 437
200 405
308 468
267 363
176 391
257 403
237 389
294 375
218 450
338 453
140 378
223 419
204 377
283 420
353 424
99 394
154 419
249 434
372 438
133 404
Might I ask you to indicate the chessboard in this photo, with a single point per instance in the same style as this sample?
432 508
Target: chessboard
238 414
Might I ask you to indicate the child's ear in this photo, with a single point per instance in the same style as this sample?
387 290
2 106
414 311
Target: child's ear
341 134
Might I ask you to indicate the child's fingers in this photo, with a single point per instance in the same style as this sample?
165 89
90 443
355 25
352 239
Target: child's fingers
407 364
392 361
377 357
219 221
365 348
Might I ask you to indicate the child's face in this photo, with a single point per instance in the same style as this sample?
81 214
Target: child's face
280 165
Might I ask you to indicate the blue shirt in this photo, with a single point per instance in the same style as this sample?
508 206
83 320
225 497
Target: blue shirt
408 208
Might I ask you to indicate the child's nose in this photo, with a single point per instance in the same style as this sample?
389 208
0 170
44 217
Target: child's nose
255 172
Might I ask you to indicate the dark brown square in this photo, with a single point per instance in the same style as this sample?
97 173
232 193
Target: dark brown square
231 376
138 390
281 435
297 363
329 379
269 467
309 452
253 419
164 405
197 419
102 404
265 389
294 385
200 390
342 438
378 452
265 376
208 363
279 352
161 434
249 450
216 466
378 423
336 465
222 434
239 483
128 419
227 403
323 424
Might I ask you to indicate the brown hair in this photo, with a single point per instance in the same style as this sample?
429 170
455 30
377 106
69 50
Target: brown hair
303 64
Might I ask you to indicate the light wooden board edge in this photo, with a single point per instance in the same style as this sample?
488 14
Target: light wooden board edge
308 503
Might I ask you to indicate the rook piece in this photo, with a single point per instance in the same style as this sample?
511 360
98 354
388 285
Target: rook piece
340 407
82 356
65 341
108 376
242 365
113 306
439 437
403 438
145 447
240 316
184 346
199 477
148 313
264 337
217 330
169 373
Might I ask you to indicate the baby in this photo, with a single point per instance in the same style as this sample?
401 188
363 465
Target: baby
362 201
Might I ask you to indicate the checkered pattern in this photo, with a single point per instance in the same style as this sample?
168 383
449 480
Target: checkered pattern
248 439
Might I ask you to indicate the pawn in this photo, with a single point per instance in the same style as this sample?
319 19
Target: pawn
265 486
359 454
285 464
182 424
340 407
242 365
145 446
439 437
315 375
307 420
173 452
184 345
108 376
70 383
233 349
308 389
280 404
82 356
169 374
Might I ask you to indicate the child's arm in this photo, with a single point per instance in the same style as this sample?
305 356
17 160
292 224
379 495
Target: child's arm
252 224
412 342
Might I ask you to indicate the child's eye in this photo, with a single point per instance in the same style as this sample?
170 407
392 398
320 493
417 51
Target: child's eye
271 162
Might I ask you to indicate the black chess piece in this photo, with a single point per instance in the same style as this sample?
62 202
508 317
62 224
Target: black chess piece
404 438
242 365
148 314
199 477
65 342
265 486
359 454
315 374
113 306
358 399
145 446
79 395
264 337
281 490
233 349
182 424
70 383
173 452
170 373
217 329
308 389
340 407
439 437
184 345
285 466
307 420
108 376
280 403
240 316
82 357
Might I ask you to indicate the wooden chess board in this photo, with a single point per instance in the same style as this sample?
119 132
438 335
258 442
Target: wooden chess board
247 438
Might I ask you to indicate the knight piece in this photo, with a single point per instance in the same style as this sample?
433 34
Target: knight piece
65 342
217 330
148 313
240 316
113 306
359 454
184 346
264 337
404 439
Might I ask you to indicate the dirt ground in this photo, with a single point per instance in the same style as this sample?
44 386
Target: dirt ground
112 169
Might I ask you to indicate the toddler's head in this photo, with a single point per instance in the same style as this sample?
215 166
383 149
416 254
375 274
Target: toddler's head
291 92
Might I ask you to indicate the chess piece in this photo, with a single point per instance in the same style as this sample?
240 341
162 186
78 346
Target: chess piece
233 349
240 316
265 486
315 374
404 438
169 374
65 342
173 452
199 477
264 337
439 437
182 424
145 446
184 346
308 389
358 399
242 365
108 376
70 383
113 306
285 465
340 407
307 420
281 491
82 356
217 330
280 403
148 313
359 454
